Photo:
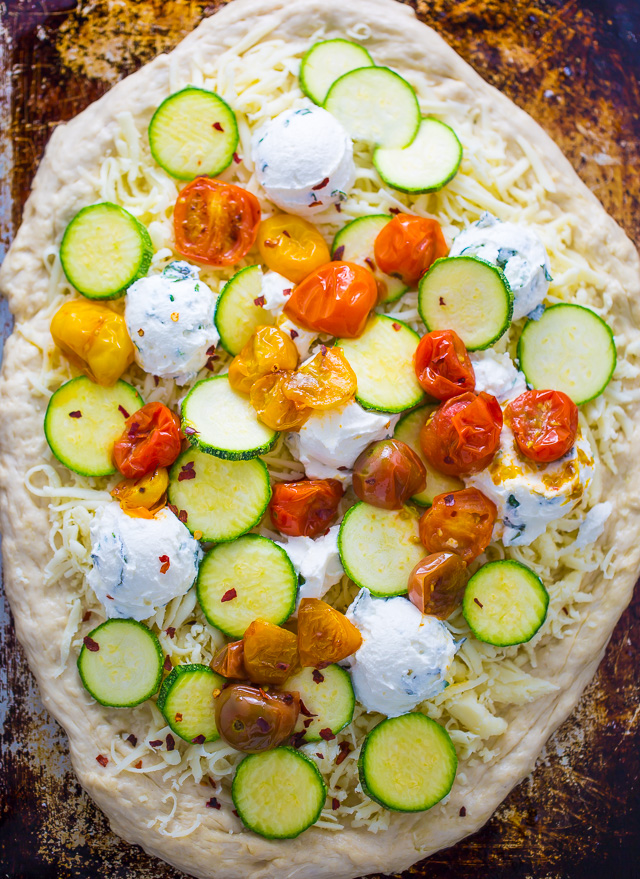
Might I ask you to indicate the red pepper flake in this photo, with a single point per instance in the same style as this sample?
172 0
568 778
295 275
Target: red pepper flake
168 665
211 350
263 724
191 431
449 500
199 740
319 755
317 676
338 253
565 611
90 644
102 760
287 291
259 301
133 430
187 471
235 812
87 616
286 234
209 365
111 597
320 185
171 742
229 595
236 158
326 734
345 750
462 812
315 204
138 765
178 717
156 380
307 723
294 334
123 411
335 803
165 563
442 302
298 739
155 743
171 632
75 414
323 350
478 603
183 516
217 126
271 242
370 263
213 803
133 740
394 210
396 326
173 509
282 666
338 207
304 710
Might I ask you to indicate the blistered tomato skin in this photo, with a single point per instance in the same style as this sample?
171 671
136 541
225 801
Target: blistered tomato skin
437 584
442 365
306 508
387 474
151 438
408 246
251 720
273 407
270 653
268 350
334 299
463 434
291 246
324 634
229 661
544 423
460 522
325 382
142 498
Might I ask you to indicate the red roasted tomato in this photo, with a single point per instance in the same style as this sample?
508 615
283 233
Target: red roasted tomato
442 365
462 435
407 246
305 508
544 424
215 223
151 439
461 522
387 474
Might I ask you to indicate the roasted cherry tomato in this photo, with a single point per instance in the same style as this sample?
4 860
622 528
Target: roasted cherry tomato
407 246
325 382
151 439
270 653
143 497
442 365
215 223
334 299
273 407
268 350
229 661
291 246
306 508
251 720
324 634
387 474
544 424
460 521
94 338
462 435
437 584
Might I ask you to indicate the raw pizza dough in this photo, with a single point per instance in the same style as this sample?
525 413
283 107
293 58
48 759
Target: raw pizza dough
59 190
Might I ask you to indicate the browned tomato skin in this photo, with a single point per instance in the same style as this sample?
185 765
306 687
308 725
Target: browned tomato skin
229 661
387 474
443 366
251 720
437 584
324 634
270 653
459 521
408 246
544 424
463 434
306 508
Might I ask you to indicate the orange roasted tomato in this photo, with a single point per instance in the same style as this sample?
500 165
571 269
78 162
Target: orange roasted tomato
460 521
334 299
324 634
229 661
268 350
442 365
407 246
462 435
143 497
544 424
325 382
437 584
270 653
251 720
275 409
94 338
291 246
387 474
151 439
215 223
306 508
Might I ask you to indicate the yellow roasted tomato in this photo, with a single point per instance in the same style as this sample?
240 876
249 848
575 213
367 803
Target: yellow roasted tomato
142 498
291 246
268 350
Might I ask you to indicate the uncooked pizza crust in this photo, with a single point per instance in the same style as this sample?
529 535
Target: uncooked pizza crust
59 191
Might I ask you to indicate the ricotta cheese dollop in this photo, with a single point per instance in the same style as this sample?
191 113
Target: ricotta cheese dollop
139 565
497 375
317 562
517 251
404 658
304 158
170 320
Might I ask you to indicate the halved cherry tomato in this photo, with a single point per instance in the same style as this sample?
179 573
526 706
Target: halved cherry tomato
268 350
291 246
334 299
306 508
229 661
273 408
324 634
544 423
437 584
215 223
142 498
407 246
387 474
325 382
460 521
270 653
442 365
151 439
251 720
462 435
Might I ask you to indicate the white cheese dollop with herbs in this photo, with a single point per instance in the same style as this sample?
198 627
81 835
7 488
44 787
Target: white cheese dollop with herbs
304 158
129 556
517 251
317 562
170 320
405 656
497 375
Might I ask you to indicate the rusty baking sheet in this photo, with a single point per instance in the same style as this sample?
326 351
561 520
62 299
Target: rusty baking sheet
575 66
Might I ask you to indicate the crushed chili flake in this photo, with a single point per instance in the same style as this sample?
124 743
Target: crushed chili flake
315 204
449 500
259 301
370 263
338 252
175 317
396 326
317 676
123 411
229 595
178 717
171 742
90 644
156 380
479 603
565 611
138 765
343 468
304 710
307 723
338 207
190 431
155 743
111 597
87 616
217 126
168 665
183 516
282 666
271 242
213 803
319 755
211 350
187 471
209 365
345 750
198 535
326 734
286 234
320 185
236 158
133 740
141 332
165 563
298 739
294 334
262 724
462 811
323 350
442 302
235 812
335 803
171 632
394 210
199 740
287 291
75 414
102 760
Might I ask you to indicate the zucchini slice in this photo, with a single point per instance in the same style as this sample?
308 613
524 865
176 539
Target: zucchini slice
327 694
375 105
222 422
104 249
379 548
505 603
236 315
187 703
250 578
279 793
408 763
120 663
83 420
193 132
382 359
429 162
469 296
357 241
568 349
408 431
327 61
